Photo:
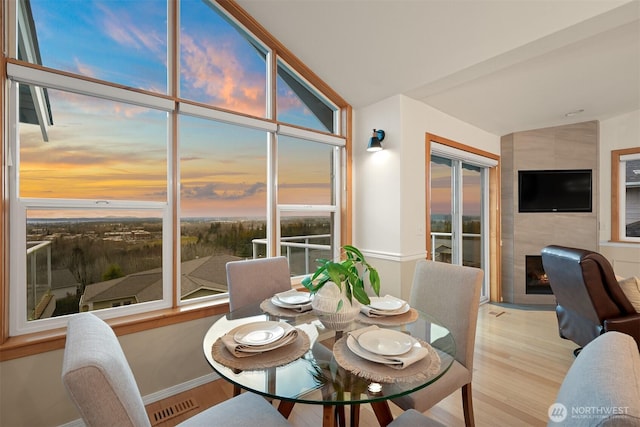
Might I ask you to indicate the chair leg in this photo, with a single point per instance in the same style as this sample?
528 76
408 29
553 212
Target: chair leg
467 406
355 415
340 416
236 390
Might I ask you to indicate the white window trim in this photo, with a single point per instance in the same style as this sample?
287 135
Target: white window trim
308 135
465 156
18 297
37 77
225 117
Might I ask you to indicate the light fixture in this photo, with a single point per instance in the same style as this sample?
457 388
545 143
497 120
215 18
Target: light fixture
376 138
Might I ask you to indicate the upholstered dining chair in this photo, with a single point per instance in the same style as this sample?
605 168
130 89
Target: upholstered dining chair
253 280
101 384
451 294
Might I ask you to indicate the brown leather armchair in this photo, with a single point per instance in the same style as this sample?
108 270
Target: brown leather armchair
589 299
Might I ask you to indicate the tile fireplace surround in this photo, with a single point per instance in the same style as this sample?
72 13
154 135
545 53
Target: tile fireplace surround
572 146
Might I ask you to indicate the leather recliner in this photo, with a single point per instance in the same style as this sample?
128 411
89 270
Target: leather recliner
589 300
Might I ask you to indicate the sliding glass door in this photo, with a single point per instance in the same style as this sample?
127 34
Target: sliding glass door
458 213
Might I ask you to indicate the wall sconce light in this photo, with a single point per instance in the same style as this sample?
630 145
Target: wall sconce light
375 140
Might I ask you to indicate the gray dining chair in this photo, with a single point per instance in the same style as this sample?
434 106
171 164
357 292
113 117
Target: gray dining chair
451 294
253 280
100 383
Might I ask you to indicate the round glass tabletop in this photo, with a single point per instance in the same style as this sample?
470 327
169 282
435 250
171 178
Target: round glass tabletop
316 377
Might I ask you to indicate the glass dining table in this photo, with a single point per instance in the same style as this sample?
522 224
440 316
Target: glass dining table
325 372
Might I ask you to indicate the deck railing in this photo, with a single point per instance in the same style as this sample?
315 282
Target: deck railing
38 274
288 246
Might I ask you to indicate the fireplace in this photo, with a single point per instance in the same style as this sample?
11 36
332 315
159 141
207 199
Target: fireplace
537 282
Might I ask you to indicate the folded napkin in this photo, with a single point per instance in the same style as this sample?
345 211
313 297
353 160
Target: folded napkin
245 350
301 308
401 361
374 312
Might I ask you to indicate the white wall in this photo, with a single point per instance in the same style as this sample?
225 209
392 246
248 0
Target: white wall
619 132
389 186
616 133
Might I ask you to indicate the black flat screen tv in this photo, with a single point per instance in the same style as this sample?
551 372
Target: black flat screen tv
555 190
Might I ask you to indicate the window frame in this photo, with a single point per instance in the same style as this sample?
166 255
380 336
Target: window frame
618 214
175 311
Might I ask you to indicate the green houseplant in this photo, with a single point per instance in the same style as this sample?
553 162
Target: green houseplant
348 274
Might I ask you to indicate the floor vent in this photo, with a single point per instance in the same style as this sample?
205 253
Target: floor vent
164 414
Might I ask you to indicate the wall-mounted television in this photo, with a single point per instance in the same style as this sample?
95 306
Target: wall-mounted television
555 190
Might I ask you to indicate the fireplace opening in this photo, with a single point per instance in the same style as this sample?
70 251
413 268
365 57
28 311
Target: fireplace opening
537 281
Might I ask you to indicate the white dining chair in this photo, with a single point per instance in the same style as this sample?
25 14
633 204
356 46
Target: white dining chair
253 280
100 382
451 294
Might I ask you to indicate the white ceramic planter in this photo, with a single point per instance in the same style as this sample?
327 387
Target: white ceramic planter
325 306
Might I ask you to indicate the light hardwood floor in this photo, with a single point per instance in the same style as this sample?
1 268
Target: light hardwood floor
519 364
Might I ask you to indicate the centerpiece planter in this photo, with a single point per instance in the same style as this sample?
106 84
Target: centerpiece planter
333 308
339 288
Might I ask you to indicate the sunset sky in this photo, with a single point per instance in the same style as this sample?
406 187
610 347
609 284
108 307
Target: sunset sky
101 149
440 179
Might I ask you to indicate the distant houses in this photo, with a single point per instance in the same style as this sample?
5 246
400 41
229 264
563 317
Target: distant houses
199 277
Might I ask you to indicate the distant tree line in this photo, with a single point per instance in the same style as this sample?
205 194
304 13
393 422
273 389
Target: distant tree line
83 250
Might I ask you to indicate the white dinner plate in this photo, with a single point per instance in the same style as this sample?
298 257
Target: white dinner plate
259 333
386 304
386 342
294 298
275 301
353 345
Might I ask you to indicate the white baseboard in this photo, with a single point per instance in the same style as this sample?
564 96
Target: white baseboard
162 394
179 388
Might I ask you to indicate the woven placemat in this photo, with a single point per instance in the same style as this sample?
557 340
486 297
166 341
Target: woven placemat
268 359
400 319
421 370
270 308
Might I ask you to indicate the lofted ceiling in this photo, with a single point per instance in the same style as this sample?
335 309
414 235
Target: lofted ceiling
501 65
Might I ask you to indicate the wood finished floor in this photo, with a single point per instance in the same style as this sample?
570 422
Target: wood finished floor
520 362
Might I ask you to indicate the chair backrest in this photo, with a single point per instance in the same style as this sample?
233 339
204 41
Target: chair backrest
605 377
451 294
97 375
253 280
586 291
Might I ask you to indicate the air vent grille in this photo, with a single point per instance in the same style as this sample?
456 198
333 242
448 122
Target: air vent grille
164 414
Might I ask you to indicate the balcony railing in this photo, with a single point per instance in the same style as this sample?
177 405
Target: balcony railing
38 276
300 262
441 248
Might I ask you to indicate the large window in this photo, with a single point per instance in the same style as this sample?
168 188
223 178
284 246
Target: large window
223 201
625 191
123 42
220 63
307 203
132 185
300 104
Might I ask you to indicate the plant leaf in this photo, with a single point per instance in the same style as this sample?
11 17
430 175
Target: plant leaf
374 280
360 294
